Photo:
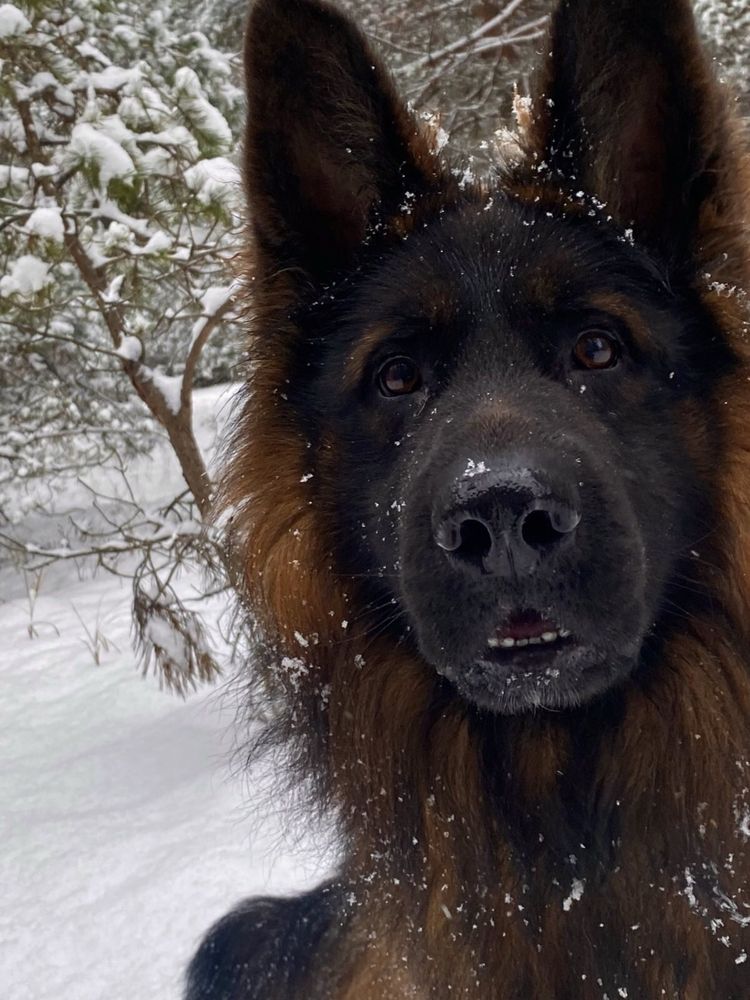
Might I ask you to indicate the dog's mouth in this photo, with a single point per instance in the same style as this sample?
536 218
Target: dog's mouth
532 660
526 636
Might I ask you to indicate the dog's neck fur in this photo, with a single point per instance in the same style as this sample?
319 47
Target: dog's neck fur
545 846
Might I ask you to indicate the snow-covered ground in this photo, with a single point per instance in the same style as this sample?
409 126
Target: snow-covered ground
125 826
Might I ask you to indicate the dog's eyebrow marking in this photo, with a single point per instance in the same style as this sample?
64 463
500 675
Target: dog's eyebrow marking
370 339
440 311
622 308
542 286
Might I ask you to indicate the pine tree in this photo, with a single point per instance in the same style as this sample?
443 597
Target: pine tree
118 204
118 217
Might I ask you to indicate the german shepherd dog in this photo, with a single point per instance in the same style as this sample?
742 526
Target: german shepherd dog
490 496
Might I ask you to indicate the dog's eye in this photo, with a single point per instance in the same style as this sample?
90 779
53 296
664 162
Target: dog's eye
399 377
596 349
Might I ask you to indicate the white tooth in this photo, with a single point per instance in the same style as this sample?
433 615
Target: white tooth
549 636
535 642
508 643
564 633
494 643
522 642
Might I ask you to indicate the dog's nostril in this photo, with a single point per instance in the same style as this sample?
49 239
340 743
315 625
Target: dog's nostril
542 528
476 540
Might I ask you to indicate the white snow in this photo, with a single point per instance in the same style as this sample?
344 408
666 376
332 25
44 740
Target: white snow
474 469
108 210
576 893
161 634
12 21
47 223
12 177
203 115
90 51
170 387
27 276
72 26
215 297
130 349
159 242
212 300
214 179
112 292
95 146
126 827
124 832
114 77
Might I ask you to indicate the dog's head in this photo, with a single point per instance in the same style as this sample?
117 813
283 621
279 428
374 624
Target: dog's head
502 394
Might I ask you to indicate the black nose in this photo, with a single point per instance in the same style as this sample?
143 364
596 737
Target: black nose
506 523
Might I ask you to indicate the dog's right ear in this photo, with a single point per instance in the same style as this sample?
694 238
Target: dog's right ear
330 150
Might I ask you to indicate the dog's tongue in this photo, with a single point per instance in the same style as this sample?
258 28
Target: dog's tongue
525 625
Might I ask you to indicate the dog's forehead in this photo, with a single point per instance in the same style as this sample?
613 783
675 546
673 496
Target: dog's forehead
510 260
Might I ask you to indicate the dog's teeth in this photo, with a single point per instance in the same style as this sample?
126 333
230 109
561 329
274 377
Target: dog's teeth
507 643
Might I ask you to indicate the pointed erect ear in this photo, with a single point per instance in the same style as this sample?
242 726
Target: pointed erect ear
627 109
329 148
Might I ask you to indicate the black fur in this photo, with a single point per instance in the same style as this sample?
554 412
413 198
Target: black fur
265 948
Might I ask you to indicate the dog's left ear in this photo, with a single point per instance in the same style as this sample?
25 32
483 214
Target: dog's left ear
626 108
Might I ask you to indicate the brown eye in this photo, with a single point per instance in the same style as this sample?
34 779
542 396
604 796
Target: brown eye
399 377
596 350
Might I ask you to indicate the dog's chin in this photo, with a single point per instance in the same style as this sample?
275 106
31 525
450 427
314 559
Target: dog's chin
537 678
